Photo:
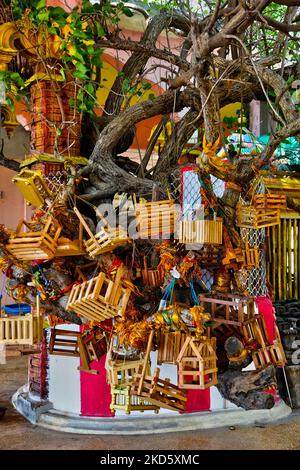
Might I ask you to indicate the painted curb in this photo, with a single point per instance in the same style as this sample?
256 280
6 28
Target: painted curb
149 424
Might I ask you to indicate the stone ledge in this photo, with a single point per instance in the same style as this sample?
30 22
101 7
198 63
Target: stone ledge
45 416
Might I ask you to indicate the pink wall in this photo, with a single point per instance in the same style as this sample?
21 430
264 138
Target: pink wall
12 202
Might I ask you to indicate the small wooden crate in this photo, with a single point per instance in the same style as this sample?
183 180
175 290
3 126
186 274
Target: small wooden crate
270 201
35 245
161 393
25 329
33 187
197 364
122 373
254 331
106 240
170 345
122 399
228 308
100 298
251 256
95 344
151 277
64 343
272 354
66 247
201 231
251 217
155 219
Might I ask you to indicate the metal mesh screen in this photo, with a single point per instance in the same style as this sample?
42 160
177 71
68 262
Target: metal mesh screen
254 281
55 180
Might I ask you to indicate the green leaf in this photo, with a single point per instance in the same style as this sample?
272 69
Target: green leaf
126 85
96 60
80 75
41 4
146 86
43 16
89 88
100 30
62 72
127 11
10 103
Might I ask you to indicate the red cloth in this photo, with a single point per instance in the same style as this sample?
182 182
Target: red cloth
95 392
265 307
197 400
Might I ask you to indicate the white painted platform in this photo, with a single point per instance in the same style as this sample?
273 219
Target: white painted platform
147 424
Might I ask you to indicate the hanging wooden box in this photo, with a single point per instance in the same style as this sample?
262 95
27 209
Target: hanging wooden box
270 201
64 342
66 247
254 331
155 219
201 231
151 277
99 299
35 245
106 240
228 308
170 345
161 393
95 344
272 354
197 364
250 217
33 187
251 256
25 329
122 373
122 399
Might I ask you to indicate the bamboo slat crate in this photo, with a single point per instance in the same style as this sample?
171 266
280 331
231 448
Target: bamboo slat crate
254 331
156 391
33 187
66 247
106 240
197 364
201 231
272 354
228 308
151 277
169 346
161 393
35 245
251 217
64 343
25 329
95 344
250 256
270 201
122 373
100 298
123 400
155 219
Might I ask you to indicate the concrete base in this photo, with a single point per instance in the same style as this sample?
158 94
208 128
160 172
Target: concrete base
49 418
